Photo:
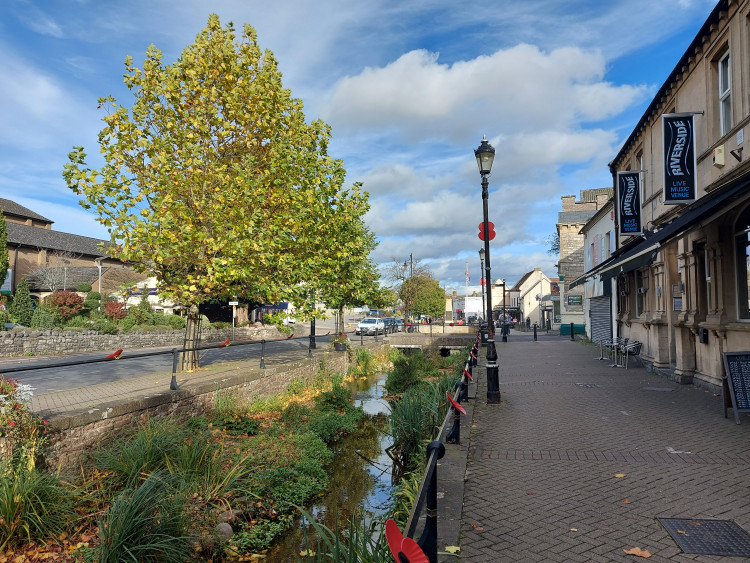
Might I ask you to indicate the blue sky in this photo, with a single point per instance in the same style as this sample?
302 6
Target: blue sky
409 89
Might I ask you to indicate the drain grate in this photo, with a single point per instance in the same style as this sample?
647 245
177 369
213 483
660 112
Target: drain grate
708 537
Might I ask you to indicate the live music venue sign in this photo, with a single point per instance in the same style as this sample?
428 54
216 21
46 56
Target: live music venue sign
629 203
678 142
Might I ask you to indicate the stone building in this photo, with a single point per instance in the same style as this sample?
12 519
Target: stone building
570 221
683 279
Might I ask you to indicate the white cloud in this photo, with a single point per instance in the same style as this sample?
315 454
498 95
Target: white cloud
517 89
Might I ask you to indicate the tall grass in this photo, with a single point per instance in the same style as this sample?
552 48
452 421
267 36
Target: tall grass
167 445
362 544
146 523
34 506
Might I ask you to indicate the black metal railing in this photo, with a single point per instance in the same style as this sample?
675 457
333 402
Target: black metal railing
450 432
175 352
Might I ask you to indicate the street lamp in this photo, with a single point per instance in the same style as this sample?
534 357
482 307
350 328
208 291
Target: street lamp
481 281
485 155
505 319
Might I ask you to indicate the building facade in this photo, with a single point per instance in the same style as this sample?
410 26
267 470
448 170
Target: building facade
683 280
570 221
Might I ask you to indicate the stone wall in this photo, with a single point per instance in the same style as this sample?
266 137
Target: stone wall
72 436
26 342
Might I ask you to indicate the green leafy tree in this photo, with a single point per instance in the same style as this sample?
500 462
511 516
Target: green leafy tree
423 295
346 276
21 309
214 182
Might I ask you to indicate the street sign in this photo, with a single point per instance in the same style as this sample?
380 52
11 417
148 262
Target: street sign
234 302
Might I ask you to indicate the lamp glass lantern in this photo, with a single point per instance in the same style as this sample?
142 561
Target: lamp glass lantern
481 254
485 156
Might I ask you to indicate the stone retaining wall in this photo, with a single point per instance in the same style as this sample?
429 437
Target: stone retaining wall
26 342
72 436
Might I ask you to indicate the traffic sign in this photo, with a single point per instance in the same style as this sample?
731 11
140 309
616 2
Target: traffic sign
234 302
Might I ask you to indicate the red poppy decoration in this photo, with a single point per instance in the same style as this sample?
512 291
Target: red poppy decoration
403 549
467 374
114 356
225 343
454 404
291 335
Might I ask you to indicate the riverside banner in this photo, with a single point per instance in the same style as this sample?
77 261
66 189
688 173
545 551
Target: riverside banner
629 203
678 142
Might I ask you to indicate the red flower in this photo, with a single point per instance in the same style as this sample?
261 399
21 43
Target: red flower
12 422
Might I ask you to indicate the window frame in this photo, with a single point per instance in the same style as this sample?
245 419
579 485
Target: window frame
724 87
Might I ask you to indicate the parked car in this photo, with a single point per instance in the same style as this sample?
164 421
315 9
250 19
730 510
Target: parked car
390 324
370 325
399 325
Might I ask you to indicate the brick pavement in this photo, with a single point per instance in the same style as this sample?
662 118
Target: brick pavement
541 480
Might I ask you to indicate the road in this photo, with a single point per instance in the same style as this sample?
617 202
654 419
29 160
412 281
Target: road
45 379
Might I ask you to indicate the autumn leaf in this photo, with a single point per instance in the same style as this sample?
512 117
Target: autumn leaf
620 475
638 552
625 501
452 549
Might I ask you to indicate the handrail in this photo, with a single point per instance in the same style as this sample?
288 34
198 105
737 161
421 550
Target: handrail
121 355
428 539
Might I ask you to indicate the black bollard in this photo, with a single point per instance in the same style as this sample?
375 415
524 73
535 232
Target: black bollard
262 354
534 332
572 332
173 384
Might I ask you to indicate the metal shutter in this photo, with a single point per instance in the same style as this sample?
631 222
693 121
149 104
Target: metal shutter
600 310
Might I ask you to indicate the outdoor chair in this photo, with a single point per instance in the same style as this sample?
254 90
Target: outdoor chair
632 349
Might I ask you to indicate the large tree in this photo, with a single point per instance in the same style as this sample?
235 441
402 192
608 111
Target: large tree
214 182
423 296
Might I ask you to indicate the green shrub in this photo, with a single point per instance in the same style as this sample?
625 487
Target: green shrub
42 319
105 326
176 321
22 309
34 506
83 287
145 523
128 323
78 322
4 318
409 370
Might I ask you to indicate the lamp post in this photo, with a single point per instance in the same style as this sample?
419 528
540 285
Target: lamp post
485 154
505 320
481 281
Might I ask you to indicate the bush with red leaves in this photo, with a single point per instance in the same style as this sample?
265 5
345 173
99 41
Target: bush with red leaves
114 310
66 303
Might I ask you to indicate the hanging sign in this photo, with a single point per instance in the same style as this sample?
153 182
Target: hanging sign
629 202
678 143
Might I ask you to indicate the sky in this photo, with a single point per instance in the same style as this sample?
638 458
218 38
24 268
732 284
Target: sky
408 88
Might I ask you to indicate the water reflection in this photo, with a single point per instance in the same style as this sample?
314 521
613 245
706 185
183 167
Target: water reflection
360 476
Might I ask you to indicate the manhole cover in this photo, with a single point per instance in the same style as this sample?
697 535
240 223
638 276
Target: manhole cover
708 537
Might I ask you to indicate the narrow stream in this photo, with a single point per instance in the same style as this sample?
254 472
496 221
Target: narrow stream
360 475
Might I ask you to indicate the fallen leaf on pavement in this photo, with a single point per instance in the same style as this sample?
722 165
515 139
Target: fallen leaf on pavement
452 549
574 529
681 532
625 501
621 475
637 551
477 527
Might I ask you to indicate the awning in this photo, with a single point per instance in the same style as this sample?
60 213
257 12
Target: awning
637 255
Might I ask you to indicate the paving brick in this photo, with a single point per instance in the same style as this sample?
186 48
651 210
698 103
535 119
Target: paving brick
544 461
